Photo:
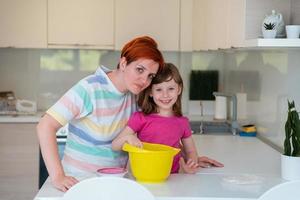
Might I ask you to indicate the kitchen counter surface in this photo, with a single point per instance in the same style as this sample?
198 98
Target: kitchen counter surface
21 118
251 168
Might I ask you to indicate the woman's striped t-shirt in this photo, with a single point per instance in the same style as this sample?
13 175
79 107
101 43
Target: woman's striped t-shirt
95 112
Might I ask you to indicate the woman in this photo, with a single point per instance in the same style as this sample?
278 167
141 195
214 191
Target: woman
96 110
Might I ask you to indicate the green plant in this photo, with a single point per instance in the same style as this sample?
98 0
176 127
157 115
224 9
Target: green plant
292 132
269 26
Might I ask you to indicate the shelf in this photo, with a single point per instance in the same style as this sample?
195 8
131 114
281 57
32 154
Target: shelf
277 42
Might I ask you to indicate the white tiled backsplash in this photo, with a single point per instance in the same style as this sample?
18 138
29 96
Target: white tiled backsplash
269 77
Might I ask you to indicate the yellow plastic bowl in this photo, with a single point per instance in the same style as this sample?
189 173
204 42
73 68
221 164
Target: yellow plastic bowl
152 163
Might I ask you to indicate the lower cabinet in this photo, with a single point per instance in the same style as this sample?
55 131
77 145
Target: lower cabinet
19 160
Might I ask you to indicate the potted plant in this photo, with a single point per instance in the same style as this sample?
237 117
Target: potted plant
290 160
269 30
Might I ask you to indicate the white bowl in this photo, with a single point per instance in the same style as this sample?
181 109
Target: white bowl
112 171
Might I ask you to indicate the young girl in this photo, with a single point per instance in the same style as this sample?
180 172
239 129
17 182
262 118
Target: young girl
161 121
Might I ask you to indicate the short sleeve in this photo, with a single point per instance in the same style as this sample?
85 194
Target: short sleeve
74 104
187 132
136 121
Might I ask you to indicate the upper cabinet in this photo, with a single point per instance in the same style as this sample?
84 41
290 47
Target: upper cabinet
23 23
177 25
81 24
156 18
210 29
234 23
246 17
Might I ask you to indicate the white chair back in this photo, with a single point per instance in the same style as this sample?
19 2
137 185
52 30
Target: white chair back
108 188
287 190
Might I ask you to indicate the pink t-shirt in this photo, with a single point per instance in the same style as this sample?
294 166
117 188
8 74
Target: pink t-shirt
154 128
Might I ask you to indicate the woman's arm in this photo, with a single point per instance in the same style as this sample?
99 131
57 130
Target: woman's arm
127 135
46 131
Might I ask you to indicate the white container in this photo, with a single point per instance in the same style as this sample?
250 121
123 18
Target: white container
290 167
292 31
221 107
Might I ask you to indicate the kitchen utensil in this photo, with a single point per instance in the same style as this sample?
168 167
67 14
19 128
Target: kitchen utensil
152 163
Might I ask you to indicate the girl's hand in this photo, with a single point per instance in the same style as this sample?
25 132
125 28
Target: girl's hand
133 140
63 182
206 162
189 167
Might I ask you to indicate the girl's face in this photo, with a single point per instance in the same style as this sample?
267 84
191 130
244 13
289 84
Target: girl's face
138 74
165 95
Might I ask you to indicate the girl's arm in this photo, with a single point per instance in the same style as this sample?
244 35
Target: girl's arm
46 130
190 165
127 135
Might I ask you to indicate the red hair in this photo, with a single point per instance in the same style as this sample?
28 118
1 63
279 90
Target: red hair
142 47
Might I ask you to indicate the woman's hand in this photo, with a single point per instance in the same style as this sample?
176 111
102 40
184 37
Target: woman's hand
206 162
63 182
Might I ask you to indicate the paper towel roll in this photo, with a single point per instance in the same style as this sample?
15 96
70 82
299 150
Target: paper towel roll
221 107
241 105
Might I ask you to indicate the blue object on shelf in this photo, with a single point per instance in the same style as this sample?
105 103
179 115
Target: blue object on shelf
247 134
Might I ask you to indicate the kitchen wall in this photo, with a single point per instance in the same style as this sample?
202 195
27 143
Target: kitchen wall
44 75
269 77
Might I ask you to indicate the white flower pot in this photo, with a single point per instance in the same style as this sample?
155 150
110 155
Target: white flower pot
269 33
292 31
290 167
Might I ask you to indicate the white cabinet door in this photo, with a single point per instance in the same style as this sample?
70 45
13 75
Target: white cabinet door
23 24
159 19
186 25
81 23
210 30
246 17
19 161
230 23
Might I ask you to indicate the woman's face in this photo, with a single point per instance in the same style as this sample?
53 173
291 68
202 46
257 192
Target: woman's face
138 74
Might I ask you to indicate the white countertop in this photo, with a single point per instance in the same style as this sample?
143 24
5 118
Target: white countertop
21 118
251 168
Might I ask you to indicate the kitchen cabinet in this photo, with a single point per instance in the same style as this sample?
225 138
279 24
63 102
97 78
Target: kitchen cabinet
81 24
23 23
156 18
246 16
233 23
19 151
210 30
186 24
